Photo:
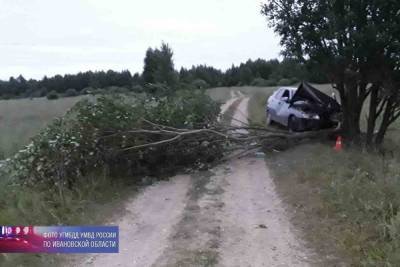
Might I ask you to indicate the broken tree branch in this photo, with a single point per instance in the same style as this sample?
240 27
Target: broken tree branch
254 137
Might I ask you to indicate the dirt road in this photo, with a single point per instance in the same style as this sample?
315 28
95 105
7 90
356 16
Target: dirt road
228 216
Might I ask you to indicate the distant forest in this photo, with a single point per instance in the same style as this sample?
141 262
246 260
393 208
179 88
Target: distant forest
159 72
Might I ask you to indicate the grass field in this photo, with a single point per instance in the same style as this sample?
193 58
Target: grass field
21 119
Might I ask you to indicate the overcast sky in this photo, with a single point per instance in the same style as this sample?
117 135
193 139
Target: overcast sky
48 37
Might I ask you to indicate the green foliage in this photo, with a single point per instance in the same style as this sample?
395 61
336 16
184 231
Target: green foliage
200 84
284 82
210 75
41 92
116 90
370 200
159 66
88 90
359 199
71 92
261 82
77 144
52 95
75 166
99 91
157 89
137 88
185 109
19 87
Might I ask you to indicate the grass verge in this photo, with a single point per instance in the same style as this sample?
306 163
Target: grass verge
256 108
348 200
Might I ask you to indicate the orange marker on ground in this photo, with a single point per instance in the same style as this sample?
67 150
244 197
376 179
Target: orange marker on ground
338 145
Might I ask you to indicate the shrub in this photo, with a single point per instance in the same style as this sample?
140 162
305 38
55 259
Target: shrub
87 90
38 93
70 92
79 143
137 88
258 82
263 83
6 96
294 80
200 84
52 95
284 82
271 82
116 90
99 91
157 89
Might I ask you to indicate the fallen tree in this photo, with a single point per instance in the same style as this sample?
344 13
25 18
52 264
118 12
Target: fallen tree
234 138
123 137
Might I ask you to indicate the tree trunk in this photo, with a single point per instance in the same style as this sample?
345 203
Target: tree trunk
372 115
385 123
351 113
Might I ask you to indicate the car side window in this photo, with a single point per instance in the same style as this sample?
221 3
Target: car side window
286 93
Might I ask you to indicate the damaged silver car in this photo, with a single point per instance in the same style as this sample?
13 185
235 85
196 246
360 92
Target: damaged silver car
302 109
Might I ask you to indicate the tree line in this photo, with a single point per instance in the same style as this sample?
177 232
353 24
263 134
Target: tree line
159 72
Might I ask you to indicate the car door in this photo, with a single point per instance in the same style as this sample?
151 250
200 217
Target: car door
282 110
273 103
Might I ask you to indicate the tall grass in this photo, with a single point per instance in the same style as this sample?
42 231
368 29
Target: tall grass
256 108
94 200
351 197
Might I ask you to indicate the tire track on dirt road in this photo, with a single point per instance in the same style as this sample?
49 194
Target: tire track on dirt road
256 228
228 216
146 225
